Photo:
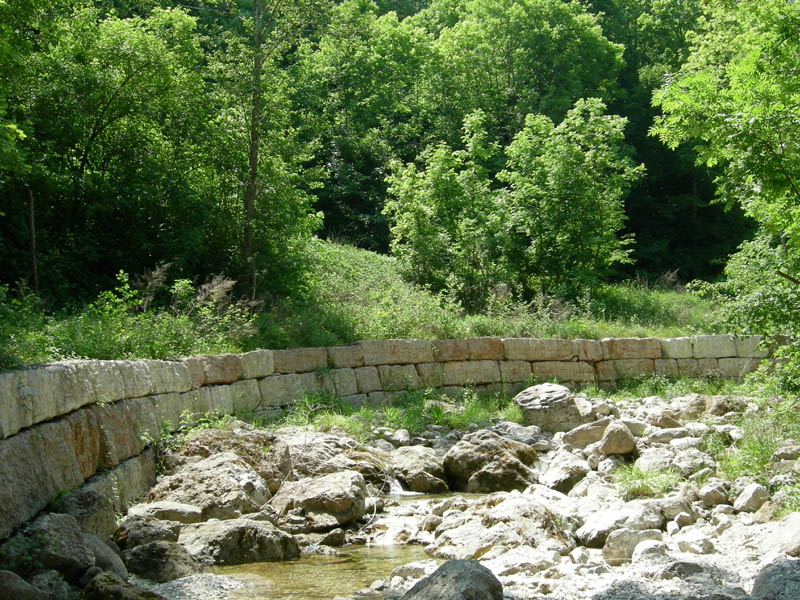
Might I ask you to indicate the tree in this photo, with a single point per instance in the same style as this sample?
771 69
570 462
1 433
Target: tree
565 198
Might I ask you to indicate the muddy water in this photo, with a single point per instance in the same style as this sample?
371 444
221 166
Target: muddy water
314 577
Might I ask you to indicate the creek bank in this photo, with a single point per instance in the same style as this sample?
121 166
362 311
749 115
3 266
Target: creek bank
549 523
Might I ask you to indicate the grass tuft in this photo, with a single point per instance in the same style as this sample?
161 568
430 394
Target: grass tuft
636 483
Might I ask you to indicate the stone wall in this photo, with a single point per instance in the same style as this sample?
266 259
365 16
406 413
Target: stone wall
91 421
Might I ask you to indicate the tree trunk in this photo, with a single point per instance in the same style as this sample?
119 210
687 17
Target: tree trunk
250 194
32 231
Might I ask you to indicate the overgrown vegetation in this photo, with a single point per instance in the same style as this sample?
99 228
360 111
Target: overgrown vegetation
636 483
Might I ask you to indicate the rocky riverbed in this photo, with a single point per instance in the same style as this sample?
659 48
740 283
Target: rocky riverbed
533 509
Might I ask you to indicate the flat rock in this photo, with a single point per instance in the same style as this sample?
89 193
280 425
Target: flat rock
166 510
238 541
134 531
161 561
108 586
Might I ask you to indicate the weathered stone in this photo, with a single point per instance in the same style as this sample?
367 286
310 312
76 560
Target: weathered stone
125 483
471 372
485 348
583 435
514 371
161 561
108 586
419 469
136 530
104 556
396 352
213 399
465 579
595 531
299 360
751 498
169 376
282 390
320 503
431 374
554 407
667 367
665 436
621 543
14 587
736 368
787 538
680 347
589 350
720 405
532 349
563 470
485 462
245 396
714 492
630 368
344 380
691 460
399 377
713 346
345 357
693 540
167 510
367 380
118 439
778 580
257 364
53 584
566 372
222 368
655 460
750 346
450 350
90 509
222 486
617 439
630 348
238 541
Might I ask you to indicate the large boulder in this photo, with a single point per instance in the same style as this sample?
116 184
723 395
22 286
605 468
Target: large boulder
108 586
105 557
563 470
238 541
554 407
223 486
486 462
14 587
161 561
51 541
621 543
583 435
134 531
617 439
320 503
778 580
419 469
458 579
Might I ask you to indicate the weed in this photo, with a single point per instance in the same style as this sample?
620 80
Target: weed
636 483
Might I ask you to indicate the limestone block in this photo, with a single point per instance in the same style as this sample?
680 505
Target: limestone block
168 376
513 371
300 360
282 390
450 350
84 438
146 426
692 367
257 364
563 371
431 374
714 346
355 401
168 408
197 372
471 372
214 399
709 367
750 346
667 367
589 350
367 380
222 368
344 382
399 377
117 436
532 349
680 347
736 368
634 367
16 407
343 357
59 455
135 378
396 352
126 483
25 470
485 348
624 348
382 398
245 396
605 371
